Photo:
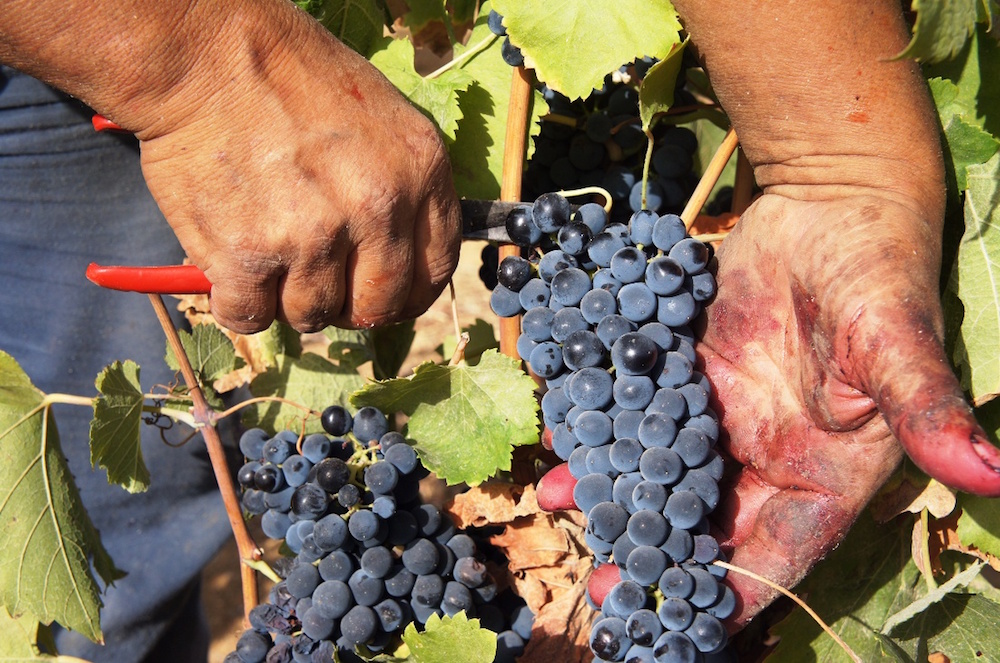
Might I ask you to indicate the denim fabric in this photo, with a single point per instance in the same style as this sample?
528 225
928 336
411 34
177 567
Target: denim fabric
69 196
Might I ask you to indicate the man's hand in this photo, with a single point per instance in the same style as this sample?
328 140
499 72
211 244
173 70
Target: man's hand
823 347
293 173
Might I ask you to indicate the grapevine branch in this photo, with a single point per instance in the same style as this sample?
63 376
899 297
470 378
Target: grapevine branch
708 180
743 186
514 148
204 415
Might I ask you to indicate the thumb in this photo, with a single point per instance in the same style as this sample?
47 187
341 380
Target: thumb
914 388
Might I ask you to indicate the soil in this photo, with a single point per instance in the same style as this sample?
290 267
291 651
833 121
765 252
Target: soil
221 592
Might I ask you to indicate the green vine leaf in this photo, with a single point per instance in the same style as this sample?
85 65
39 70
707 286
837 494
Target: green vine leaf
573 44
477 152
310 380
958 581
495 399
436 97
449 639
656 92
482 337
357 23
116 429
960 626
48 543
941 29
868 578
968 143
976 282
210 352
385 347
973 72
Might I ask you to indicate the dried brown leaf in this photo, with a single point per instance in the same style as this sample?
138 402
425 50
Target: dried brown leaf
493 504
944 536
908 493
562 627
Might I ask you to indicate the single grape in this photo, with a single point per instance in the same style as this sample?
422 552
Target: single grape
315 447
569 285
547 359
640 226
359 624
574 238
658 430
645 564
338 565
691 254
624 454
674 647
534 293
381 477
366 590
602 247
608 639
647 528
668 231
513 272
621 492
495 23
675 614
309 501
550 212
636 302
677 309
567 320
591 388
536 323
363 525
591 490
369 424
628 264
421 557
593 428
253 646
582 349
277 449
511 54
252 443
597 305
643 627
336 420
661 465
684 509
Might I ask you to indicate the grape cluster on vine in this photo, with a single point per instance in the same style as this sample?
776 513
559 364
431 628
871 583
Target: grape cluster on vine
367 557
606 312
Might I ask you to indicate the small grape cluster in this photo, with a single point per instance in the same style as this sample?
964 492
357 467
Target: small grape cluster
606 323
369 557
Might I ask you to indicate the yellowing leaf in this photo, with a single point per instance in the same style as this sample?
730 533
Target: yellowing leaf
437 97
573 44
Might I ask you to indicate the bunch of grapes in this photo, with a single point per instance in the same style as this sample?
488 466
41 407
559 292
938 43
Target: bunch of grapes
369 557
605 322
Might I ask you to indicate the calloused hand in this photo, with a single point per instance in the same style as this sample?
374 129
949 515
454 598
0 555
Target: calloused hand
823 348
305 186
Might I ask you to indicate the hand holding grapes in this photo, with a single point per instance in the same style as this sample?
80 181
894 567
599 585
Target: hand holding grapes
823 348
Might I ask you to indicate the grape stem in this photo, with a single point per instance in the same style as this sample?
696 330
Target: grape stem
458 356
562 119
204 415
469 53
800 602
645 164
603 193
263 399
709 179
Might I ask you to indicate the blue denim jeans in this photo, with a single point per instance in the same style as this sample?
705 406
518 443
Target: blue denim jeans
69 196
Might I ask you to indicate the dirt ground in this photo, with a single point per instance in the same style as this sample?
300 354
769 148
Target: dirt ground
221 593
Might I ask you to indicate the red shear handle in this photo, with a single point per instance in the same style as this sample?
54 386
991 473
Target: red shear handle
166 280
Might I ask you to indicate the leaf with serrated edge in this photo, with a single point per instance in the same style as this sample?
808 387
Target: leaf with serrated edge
450 639
477 152
116 429
436 97
310 380
941 29
209 350
978 284
962 627
958 581
656 92
573 44
464 420
48 543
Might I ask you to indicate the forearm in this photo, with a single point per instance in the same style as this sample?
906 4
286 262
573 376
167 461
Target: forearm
145 63
820 106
